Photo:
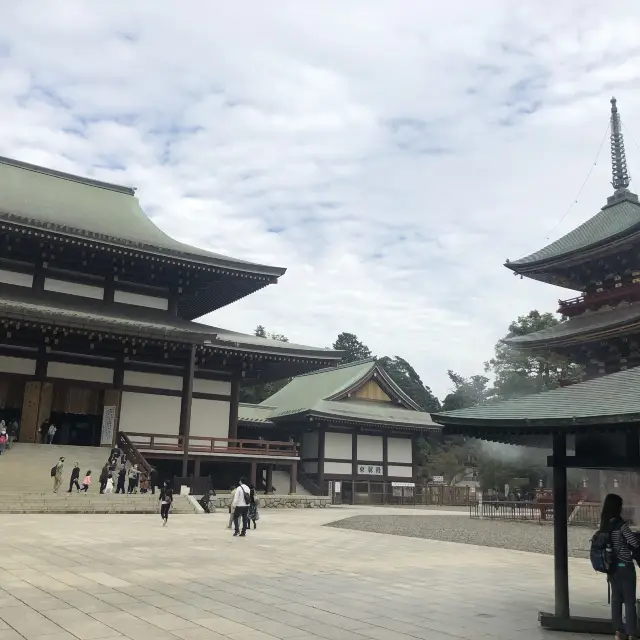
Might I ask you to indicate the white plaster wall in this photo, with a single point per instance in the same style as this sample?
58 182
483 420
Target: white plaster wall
399 450
310 467
343 468
73 288
310 445
210 418
152 380
16 279
338 445
400 472
214 387
370 448
79 372
17 365
147 413
140 300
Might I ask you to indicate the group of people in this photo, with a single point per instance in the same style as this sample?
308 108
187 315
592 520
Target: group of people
8 434
57 471
243 507
127 478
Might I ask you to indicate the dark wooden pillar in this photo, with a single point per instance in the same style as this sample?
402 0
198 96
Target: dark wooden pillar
293 477
254 473
233 408
354 454
172 306
385 458
196 467
269 479
321 440
185 406
560 543
109 289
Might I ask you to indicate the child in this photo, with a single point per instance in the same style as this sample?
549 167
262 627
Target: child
86 483
109 487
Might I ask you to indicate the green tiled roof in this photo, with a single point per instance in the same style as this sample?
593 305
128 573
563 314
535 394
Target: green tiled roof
591 325
313 395
44 198
612 221
610 399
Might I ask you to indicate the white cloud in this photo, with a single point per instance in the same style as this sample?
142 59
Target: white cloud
392 157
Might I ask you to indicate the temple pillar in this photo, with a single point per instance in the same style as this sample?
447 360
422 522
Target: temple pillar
185 406
254 473
321 448
385 458
196 467
293 477
234 400
269 479
560 542
29 426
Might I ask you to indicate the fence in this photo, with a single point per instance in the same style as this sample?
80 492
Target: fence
579 514
385 493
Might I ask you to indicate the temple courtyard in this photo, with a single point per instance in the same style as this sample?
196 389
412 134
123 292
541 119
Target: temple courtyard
65 577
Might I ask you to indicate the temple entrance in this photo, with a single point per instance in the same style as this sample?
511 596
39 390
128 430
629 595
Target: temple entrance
77 429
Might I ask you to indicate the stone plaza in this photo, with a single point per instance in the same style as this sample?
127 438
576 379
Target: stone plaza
86 577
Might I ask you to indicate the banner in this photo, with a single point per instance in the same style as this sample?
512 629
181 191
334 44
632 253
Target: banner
108 425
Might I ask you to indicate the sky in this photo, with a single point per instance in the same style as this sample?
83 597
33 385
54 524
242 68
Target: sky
391 155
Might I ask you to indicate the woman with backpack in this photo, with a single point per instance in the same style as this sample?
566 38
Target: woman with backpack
622 572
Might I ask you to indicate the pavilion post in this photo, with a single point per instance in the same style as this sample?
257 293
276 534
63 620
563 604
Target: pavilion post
293 477
254 473
233 408
269 479
185 407
321 441
560 541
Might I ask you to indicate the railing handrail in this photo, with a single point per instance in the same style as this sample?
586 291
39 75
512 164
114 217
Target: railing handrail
132 452
600 296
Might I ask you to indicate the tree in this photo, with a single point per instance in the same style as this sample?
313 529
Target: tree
253 392
517 373
438 456
355 350
406 377
467 392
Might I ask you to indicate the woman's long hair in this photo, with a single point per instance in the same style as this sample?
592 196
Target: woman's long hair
611 509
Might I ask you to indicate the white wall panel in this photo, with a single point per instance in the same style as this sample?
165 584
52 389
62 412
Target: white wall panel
149 413
17 365
400 472
73 288
343 468
370 448
310 445
310 467
16 279
152 380
79 372
399 450
214 387
338 445
140 300
210 418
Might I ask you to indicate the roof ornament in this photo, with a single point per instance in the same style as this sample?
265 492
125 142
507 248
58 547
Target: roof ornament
621 177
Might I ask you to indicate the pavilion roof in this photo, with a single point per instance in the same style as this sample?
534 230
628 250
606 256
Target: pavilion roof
591 325
47 199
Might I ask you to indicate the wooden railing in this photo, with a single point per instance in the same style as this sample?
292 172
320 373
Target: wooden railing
132 453
573 306
202 444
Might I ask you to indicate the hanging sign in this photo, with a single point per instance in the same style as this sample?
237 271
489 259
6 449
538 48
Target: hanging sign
370 470
337 487
403 484
438 478
108 425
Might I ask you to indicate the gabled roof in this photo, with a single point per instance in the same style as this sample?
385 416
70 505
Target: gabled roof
325 394
612 222
47 199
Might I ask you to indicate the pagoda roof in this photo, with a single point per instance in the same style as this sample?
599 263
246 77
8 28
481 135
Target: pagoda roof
612 223
43 198
325 395
608 400
590 325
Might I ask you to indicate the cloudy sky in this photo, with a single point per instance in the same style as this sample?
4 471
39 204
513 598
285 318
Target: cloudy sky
392 155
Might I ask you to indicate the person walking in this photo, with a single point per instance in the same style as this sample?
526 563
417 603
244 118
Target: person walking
122 476
166 500
153 480
253 514
240 506
86 483
13 432
104 475
75 476
57 475
4 438
133 479
622 578
51 433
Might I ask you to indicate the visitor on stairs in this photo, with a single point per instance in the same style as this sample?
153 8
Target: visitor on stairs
122 476
240 505
166 500
51 433
153 480
133 479
57 475
75 476
109 487
86 483
104 475
13 433
3 438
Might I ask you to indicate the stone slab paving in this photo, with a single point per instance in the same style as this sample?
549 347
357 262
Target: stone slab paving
101 577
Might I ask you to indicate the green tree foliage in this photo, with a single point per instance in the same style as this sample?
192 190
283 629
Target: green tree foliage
467 392
517 373
439 456
253 392
355 350
406 377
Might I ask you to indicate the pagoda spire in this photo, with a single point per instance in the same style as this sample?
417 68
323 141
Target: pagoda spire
621 177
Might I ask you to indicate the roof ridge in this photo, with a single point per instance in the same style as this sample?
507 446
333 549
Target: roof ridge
344 365
63 175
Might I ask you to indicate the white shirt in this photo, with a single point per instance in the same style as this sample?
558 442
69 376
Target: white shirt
238 496
52 430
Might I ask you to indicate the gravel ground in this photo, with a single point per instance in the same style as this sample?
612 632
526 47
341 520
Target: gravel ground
504 534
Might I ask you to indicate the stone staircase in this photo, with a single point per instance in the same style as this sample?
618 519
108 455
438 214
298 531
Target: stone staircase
281 479
26 485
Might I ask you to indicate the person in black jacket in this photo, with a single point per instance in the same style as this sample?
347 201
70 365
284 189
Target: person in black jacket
166 500
153 480
75 475
104 475
122 476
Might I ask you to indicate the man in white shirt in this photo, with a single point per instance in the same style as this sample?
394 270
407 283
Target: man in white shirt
51 433
240 507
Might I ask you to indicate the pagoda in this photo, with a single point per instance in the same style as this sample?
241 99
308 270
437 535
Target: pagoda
599 259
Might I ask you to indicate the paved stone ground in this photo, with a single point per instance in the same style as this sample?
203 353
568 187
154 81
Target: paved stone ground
504 534
65 577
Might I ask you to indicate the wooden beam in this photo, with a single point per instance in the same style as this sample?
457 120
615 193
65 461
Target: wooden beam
321 442
233 407
603 464
560 534
185 407
293 477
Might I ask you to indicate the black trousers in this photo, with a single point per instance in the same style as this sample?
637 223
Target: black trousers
73 482
133 484
164 511
623 592
120 487
241 512
103 485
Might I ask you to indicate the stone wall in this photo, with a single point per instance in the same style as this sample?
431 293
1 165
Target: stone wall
292 501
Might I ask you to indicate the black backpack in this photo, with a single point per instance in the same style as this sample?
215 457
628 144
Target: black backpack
602 556
53 470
